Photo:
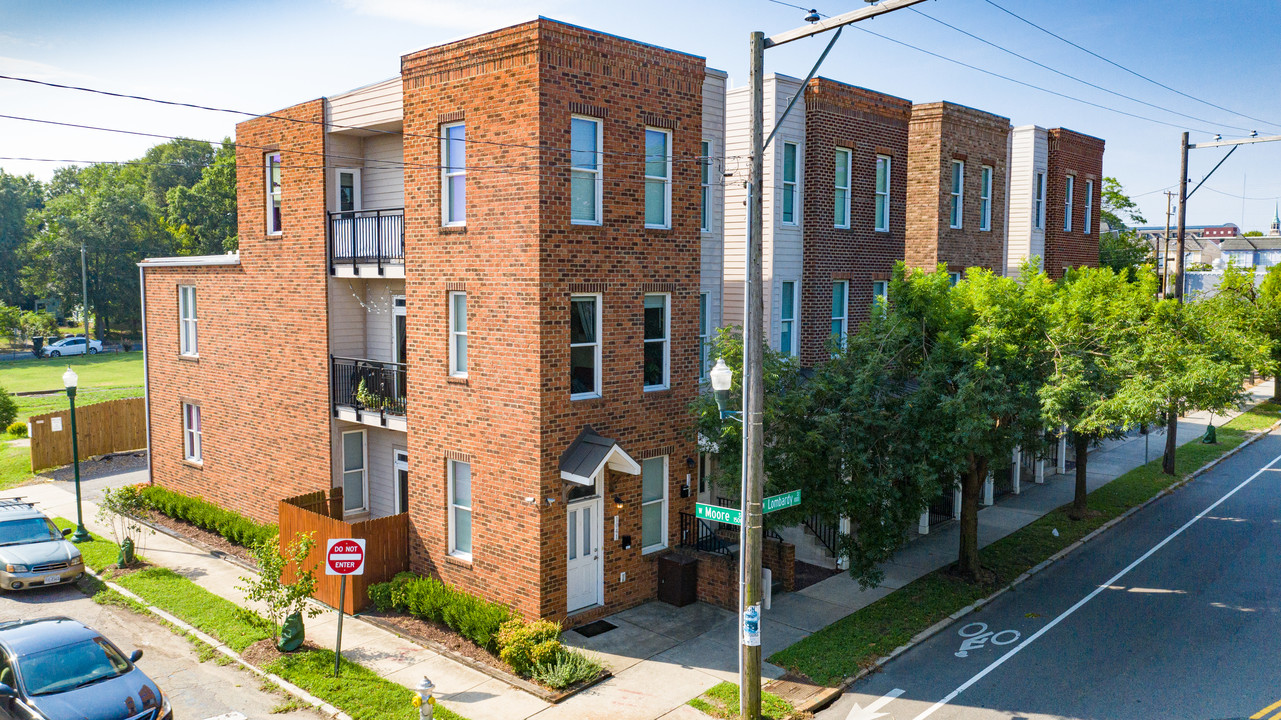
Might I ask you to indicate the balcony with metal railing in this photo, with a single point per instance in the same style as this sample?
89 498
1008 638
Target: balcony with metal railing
367 243
369 392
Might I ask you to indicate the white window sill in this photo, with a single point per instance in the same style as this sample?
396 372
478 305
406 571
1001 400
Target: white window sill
658 227
461 557
657 388
653 549
594 223
841 227
881 230
458 375
454 224
194 462
585 396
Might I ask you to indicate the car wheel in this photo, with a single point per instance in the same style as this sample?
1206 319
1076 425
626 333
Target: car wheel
55 353
93 351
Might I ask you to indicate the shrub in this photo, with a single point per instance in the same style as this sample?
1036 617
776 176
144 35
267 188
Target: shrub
17 429
524 644
568 667
432 600
233 526
267 586
8 409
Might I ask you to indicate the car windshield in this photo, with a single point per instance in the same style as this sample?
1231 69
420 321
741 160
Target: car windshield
28 530
71 666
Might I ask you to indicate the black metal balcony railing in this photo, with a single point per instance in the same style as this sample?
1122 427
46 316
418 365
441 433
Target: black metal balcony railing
367 236
696 533
368 385
827 532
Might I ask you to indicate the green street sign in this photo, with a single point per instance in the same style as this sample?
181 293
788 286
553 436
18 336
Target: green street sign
733 516
786 500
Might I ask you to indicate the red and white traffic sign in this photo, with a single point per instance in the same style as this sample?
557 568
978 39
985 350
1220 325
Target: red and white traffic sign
345 556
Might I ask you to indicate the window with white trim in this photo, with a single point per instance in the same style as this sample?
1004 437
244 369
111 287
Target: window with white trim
355 473
705 183
1089 206
883 168
584 346
585 178
460 509
657 341
704 335
880 292
790 162
187 320
191 433
840 311
1068 187
1038 201
653 504
953 278
985 198
658 178
842 159
458 334
787 320
453 191
958 193
275 222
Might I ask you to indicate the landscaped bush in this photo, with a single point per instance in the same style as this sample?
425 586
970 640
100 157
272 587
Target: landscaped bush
569 667
233 526
17 429
527 645
8 408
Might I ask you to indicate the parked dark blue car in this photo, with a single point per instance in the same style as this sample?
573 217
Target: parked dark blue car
59 669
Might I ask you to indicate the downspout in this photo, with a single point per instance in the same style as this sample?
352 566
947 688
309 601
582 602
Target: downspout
146 377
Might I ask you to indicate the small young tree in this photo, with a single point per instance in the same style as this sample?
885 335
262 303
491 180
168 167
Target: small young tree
286 605
122 509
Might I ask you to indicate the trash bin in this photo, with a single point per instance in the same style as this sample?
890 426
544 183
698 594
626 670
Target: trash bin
678 579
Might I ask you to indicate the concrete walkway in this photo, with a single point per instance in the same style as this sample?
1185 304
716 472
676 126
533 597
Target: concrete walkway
661 656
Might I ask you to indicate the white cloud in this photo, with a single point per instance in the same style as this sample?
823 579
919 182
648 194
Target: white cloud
36 70
464 16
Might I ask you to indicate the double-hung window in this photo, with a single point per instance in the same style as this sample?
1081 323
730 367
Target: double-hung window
585 171
458 334
841 191
658 178
1089 206
354 472
460 509
789 182
840 311
1068 188
880 292
787 320
654 504
191 433
1038 202
584 346
705 185
883 193
657 341
274 220
704 334
985 198
187 320
958 193
453 191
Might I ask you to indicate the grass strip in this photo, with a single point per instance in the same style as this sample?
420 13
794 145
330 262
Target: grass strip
359 692
29 405
841 649
721 701
15 465
104 370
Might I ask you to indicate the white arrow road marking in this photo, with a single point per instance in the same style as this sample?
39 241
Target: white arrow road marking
1032 638
228 716
869 712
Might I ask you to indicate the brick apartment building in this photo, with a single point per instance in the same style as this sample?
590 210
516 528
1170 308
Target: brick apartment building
476 293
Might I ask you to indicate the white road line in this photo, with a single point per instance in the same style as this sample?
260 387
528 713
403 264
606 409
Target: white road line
869 712
1031 638
228 716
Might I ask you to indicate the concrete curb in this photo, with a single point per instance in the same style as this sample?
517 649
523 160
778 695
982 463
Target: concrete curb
829 695
306 697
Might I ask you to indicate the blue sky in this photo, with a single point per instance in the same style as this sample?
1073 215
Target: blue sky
261 56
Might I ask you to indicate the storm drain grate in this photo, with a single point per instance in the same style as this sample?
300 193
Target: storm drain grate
595 628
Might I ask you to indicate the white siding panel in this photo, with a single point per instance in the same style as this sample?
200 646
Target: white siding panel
1029 154
377 105
383 183
344 152
783 244
379 322
712 270
346 317
737 148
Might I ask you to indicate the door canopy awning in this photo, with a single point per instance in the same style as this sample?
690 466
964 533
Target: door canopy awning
589 453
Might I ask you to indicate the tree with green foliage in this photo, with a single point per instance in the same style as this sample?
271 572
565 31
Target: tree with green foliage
204 215
285 603
19 196
179 163
1120 247
1252 233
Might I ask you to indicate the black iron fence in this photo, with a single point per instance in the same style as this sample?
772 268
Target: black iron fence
1003 479
368 385
827 531
698 534
943 508
367 236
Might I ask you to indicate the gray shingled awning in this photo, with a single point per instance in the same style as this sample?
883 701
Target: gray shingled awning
589 453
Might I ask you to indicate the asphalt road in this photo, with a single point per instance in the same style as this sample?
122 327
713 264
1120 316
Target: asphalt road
1174 613
197 690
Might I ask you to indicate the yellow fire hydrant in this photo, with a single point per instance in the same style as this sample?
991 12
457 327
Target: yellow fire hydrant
424 701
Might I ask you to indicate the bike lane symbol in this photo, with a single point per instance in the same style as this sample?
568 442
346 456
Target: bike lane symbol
977 636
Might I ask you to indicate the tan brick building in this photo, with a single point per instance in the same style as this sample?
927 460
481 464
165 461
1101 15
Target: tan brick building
474 293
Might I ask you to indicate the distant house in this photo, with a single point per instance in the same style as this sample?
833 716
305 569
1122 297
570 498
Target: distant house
1261 252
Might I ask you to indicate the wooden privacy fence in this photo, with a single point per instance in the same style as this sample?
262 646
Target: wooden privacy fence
101 428
386 545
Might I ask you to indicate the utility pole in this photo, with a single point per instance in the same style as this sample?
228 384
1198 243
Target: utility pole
1172 422
749 600
84 290
1165 239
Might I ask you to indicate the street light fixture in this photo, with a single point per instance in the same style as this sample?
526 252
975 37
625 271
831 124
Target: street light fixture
70 379
722 378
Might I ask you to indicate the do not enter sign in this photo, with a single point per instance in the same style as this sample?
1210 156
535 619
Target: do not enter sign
345 556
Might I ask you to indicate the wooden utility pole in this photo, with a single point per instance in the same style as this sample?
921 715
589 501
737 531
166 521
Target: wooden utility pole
1165 239
1172 422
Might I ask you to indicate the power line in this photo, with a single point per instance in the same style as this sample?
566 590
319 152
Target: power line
1126 69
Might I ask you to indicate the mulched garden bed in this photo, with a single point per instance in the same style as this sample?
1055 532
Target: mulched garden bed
418 629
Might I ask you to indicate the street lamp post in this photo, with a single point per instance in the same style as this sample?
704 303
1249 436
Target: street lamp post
69 379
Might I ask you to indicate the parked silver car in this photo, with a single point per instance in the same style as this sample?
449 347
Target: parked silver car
71 346
33 552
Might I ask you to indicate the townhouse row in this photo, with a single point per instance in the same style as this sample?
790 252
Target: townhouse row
481 293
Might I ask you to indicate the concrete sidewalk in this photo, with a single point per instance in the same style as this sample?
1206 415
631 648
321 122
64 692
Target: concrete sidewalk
661 656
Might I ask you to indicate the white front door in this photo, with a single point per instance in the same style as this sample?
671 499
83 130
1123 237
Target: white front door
584 564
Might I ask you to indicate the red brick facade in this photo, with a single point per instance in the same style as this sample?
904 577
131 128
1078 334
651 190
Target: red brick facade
941 133
1080 156
869 124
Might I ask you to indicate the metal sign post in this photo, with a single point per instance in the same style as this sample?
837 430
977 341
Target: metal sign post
343 557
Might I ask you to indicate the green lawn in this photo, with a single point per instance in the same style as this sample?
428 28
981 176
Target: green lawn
106 370
29 405
722 702
841 649
15 465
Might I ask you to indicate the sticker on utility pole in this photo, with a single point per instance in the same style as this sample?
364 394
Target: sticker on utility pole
752 625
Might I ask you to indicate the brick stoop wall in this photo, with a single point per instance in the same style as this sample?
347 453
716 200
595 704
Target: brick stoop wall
718 574
1072 153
